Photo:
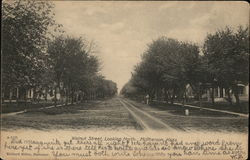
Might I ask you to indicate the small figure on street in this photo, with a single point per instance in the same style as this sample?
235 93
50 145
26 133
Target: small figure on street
147 99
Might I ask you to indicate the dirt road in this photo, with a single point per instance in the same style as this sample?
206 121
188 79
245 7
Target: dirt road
146 120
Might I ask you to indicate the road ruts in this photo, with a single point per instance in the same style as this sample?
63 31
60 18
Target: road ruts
146 121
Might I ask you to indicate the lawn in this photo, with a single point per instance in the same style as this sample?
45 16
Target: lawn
198 123
108 114
243 108
180 110
14 107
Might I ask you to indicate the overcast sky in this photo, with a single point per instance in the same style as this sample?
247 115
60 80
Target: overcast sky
122 30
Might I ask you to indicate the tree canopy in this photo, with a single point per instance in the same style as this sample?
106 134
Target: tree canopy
37 55
168 66
25 28
227 56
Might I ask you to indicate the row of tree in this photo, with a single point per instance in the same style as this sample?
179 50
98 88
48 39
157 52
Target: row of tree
33 57
169 66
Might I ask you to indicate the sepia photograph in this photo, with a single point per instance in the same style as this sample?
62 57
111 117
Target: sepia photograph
148 80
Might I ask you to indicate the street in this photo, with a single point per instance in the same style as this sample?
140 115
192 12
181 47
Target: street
145 120
123 114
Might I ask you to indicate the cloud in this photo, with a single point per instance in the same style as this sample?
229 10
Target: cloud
114 27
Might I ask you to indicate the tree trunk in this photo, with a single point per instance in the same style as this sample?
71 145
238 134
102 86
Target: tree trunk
25 97
212 95
237 98
173 97
186 97
38 98
17 96
157 94
34 94
55 96
67 96
151 95
229 98
10 95
46 94
2 95
236 95
72 96
199 96
166 95
183 98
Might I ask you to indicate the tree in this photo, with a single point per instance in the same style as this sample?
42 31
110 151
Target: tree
77 70
131 91
69 63
227 53
25 32
167 66
102 88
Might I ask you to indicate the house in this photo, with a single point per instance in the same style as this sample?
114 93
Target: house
22 94
220 93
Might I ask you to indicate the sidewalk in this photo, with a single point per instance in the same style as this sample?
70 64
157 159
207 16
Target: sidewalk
215 110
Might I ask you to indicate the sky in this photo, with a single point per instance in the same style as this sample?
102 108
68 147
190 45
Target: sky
122 30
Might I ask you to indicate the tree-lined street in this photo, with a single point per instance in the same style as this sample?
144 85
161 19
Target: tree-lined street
54 76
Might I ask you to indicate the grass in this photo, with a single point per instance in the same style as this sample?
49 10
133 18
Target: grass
107 114
14 107
233 124
243 108
33 107
69 109
180 110
52 111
